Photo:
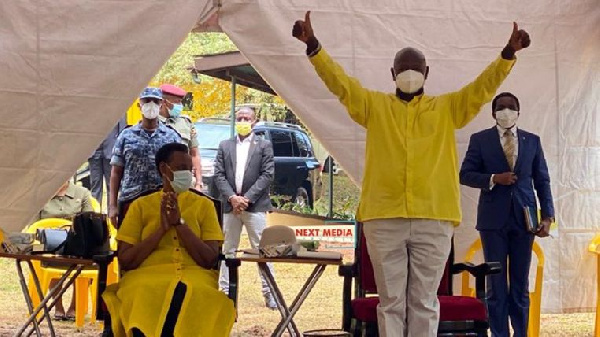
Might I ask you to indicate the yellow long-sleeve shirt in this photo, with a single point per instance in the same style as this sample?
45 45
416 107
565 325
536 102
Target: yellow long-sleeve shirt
411 166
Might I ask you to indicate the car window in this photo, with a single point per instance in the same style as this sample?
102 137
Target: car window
301 149
211 135
309 148
282 143
260 134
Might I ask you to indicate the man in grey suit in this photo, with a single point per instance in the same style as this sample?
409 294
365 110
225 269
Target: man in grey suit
99 162
244 171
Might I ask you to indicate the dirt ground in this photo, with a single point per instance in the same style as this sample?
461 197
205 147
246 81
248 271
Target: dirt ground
322 308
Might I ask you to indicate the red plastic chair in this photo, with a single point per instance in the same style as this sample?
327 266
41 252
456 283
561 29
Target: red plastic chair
459 315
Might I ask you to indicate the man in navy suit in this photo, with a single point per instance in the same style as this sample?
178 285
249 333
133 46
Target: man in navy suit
507 163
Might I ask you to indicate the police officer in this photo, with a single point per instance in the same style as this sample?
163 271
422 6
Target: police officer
170 114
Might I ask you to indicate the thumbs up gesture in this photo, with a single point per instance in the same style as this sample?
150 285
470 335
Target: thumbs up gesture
303 30
519 38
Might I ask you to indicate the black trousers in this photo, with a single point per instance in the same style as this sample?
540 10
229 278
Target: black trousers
123 206
170 321
99 172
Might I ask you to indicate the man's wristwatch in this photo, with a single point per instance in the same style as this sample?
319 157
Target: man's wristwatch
179 223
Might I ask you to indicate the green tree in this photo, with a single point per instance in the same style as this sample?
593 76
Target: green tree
177 69
213 96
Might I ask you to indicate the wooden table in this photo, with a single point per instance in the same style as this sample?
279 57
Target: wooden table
74 266
287 313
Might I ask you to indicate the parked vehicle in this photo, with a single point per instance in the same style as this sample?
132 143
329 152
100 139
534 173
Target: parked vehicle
297 171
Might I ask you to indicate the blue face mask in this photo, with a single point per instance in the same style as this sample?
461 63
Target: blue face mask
176 110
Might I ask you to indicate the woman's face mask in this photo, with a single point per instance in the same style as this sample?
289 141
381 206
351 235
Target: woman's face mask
182 180
410 81
150 110
507 118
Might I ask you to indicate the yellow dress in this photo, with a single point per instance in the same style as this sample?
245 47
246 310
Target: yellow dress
142 297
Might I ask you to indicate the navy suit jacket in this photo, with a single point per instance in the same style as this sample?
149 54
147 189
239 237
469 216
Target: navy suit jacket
486 157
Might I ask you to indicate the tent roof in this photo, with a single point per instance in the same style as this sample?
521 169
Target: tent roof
227 65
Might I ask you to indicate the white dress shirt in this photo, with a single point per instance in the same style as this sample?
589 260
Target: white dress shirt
242 150
503 140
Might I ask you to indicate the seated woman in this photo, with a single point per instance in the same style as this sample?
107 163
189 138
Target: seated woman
168 243
69 200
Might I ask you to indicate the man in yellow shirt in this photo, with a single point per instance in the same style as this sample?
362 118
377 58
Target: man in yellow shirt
410 198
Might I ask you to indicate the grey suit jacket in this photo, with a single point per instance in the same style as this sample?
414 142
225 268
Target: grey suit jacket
258 176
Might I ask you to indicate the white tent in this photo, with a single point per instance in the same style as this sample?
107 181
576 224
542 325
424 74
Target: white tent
70 69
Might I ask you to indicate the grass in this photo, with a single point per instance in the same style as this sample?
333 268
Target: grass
322 308
345 196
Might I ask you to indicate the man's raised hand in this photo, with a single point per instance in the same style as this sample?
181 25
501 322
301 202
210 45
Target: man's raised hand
303 30
519 38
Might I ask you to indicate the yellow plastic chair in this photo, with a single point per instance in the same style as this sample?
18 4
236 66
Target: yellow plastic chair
535 297
86 282
32 229
95 205
46 274
594 247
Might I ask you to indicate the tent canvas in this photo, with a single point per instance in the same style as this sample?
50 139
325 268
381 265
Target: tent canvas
71 68
557 79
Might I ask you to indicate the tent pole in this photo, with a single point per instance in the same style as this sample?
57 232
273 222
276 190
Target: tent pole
330 170
232 117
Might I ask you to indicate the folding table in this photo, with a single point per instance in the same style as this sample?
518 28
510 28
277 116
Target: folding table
73 266
287 313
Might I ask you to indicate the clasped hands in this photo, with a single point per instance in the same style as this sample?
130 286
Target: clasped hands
169 210
239 203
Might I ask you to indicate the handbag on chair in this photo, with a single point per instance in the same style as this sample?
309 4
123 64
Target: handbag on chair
88 236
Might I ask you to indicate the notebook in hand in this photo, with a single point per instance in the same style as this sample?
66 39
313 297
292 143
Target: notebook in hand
531 219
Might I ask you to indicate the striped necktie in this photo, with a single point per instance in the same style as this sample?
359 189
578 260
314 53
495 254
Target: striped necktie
509 148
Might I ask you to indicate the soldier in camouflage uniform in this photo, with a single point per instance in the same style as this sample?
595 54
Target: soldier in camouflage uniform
170 114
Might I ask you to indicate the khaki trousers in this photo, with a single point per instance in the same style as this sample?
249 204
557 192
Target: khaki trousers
408 257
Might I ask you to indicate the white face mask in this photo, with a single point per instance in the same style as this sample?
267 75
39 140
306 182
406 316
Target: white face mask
507 118
182 181
150 110
410 81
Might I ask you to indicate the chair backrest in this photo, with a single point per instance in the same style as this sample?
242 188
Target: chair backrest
365 281
95 205
445 287
535 296
216 203
46 223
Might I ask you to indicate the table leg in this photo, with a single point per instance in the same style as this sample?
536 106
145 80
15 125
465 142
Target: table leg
102 274
36 281
304 291
281 305
27 297
58 290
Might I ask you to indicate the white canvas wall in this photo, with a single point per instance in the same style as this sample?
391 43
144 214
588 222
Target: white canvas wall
557 80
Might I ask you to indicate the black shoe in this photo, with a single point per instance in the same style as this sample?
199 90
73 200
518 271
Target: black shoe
107 331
